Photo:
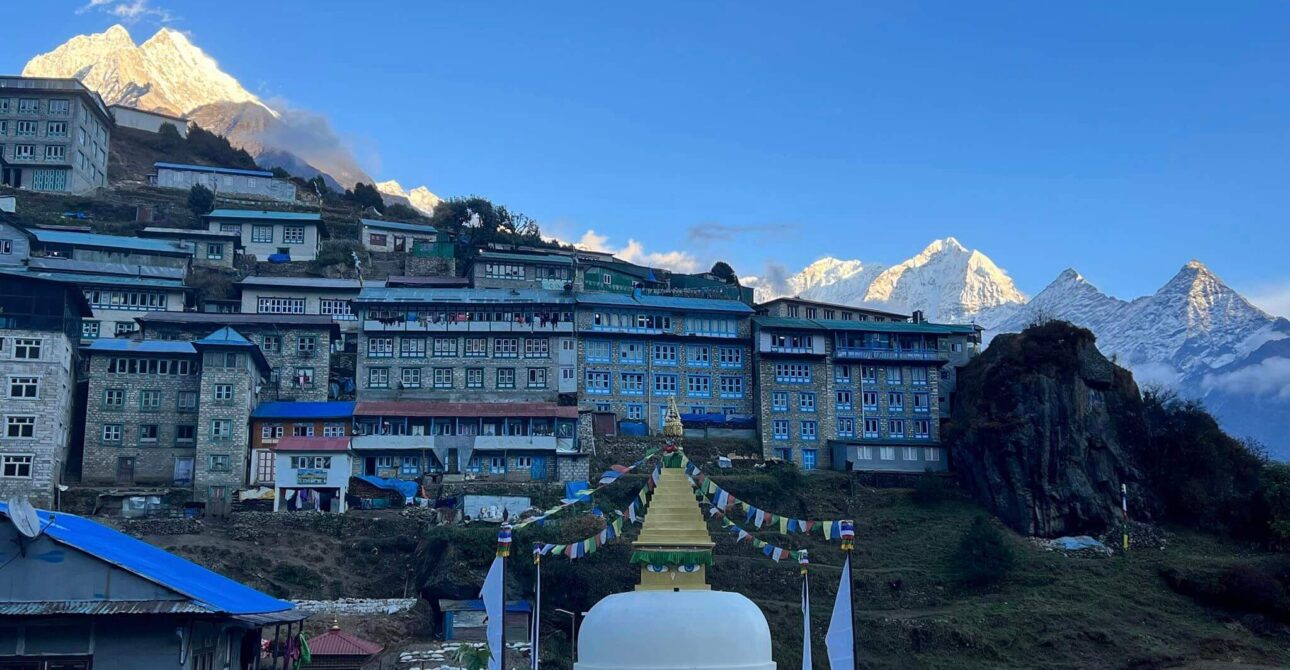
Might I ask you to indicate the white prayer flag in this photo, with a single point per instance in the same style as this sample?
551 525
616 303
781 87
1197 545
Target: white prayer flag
494 607
806 624
840 640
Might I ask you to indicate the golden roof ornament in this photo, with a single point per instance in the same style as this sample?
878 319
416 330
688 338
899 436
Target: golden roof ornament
672 426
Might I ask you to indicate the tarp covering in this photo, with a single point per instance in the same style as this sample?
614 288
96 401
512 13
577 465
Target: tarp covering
718 420
408 489
633 428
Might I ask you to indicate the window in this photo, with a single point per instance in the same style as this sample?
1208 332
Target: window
113 398
842 374
871 428
843 399
219 463
415 347
124 328
410 378
15 466
54 152
271 431
779 429
409 465
793 312
281 306
187 401
922 403
893 375
712 326
806 402
810 459
918 376
793 373
497 465
306 345
26 348
19 427
922 428
870 400
957 347
377 239
476 347
112 432
333 430
442 378
60 106
779 401
150 400
506 347
931 454
909 454
631 352
185 434
664 385
869 374
302 430
474 378
24 151
792 343
221 429
503 271
887 453
698 355
444 347
597 351
596 381
505 378
632 383
148 433
896 428
223 392
262 234
230 228
537 348
89 330
811 313
635 411
214 251
24 387
24 129
293 235
895 401
664 354
732 387
698 385
846 426
784 454
380 347
28 106
341 310
537 378
378 378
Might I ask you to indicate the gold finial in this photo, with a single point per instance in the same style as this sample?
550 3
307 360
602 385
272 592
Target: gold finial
672 426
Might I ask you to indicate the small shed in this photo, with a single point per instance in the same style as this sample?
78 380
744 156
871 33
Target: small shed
491 508
467 621
338 650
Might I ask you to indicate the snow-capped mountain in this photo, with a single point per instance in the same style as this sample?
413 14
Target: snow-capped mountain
420 198
171 74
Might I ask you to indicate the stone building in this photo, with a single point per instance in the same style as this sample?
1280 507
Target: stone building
54 135
147 120
298 348
97 248
866 394
116 292
293 236
801 308
306 295
40 323
637 351
397 236
212 249
223 181
498 269
275 420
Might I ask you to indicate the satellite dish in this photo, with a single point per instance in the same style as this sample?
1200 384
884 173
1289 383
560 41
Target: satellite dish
24 518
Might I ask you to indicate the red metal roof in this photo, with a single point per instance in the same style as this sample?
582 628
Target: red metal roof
337 642
298 443
462 409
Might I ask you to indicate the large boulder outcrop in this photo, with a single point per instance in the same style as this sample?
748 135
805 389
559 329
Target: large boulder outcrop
1044 429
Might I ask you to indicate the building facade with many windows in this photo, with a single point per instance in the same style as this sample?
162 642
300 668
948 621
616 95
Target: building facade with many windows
40 321
296 236
294 296
54 135
635 352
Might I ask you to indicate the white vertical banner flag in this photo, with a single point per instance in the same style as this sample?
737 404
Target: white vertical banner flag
806 623
495 608
535 644
840 640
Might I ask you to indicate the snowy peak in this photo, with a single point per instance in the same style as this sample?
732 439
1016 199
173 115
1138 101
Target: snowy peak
420 198
947 281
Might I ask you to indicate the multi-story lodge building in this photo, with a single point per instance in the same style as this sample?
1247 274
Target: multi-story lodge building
223 181
637 351
801 308
294 236
272 421
172 413
305 295
499 269
53 135
465 380
40 323
853 394
95 248
116 292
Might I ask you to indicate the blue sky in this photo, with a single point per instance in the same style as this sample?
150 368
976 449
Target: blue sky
1118 138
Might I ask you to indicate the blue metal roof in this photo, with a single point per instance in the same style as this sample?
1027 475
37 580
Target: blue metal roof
664 302
498 296
208 589
108 280
399 225
45 236
227 337
259 214
334 409
118 345
525 258
207 168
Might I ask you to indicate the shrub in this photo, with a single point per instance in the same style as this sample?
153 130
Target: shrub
930 490
983 555
1275 494
200 200
1239 587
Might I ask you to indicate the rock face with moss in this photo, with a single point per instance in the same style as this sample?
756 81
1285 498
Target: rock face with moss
1043 431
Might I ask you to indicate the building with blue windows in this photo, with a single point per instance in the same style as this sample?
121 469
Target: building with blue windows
637 351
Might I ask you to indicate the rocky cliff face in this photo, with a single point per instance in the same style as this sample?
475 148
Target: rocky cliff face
1044 430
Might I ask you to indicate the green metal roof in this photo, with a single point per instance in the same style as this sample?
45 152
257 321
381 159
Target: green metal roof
864 326
525 258
262 214
400 225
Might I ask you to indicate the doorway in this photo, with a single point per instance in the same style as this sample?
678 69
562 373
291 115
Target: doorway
125 470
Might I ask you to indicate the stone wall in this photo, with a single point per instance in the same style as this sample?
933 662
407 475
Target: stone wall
415 266
243 378
51 411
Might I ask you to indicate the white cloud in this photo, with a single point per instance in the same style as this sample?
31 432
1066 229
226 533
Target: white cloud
635 252
1270 377
1274 300
129 11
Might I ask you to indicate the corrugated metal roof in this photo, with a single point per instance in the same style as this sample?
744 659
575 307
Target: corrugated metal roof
226 337
45 236
463 409
239 319
206 168
783 322
87 279
392 442
205 588
865 326
332 409
664 302
834 305
189 232
337 642
99 607
51 264
302 443
399 225
261 214
71 290
478 606
118 345
307 282
525 258
497 296
446 282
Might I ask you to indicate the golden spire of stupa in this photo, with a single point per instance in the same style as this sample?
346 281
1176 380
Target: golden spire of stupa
674 547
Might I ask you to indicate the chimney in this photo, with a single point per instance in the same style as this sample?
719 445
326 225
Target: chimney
918 316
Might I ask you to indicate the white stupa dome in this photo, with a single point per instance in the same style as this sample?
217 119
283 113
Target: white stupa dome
674 630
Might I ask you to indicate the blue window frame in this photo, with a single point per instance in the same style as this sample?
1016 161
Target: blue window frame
698 355
664 354
779 401
598 351
784 454
730 357
698 386
779 429
631 352
810 430
665 385
806 402
597 381
810 459
846 426
732 387
634 411
632 383
844 399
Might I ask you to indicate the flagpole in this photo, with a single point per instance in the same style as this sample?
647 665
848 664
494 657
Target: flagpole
1124 505
537 602
806 611
503 551
848 546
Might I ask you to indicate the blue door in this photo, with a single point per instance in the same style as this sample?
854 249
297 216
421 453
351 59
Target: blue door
537 470
808 459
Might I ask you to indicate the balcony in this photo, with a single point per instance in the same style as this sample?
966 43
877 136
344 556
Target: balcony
889 354
530 326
